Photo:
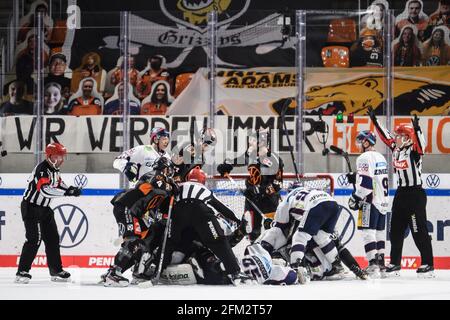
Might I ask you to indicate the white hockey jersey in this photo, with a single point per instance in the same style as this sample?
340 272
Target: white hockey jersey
372 180
258 264
144 155
298 203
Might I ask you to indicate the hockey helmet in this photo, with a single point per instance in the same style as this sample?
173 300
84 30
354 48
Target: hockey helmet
366 135
407 134
157 133
55 149
163 165
295 185
196 175
257 263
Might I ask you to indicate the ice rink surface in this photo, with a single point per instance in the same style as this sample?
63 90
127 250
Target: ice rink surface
83 286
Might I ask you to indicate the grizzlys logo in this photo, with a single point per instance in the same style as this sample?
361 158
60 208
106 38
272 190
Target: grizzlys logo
180 33
401 165
355 96
195 12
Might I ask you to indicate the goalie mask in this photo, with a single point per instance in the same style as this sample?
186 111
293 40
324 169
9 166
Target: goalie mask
257 263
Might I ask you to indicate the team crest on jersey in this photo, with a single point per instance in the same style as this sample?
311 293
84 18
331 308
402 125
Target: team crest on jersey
363 167
255 175
153 203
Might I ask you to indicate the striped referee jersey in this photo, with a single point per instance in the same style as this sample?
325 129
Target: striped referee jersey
198 192
407 162
44 184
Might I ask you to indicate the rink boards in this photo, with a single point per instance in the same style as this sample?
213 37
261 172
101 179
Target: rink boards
87 227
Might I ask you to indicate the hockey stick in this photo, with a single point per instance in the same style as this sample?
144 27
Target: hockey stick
291 151
341 152
163 248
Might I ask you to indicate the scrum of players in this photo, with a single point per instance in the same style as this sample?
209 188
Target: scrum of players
292 240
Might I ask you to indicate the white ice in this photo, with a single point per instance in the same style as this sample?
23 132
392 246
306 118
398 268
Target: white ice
83 286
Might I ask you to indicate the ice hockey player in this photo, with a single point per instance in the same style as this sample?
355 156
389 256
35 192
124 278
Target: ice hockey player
135 211
44 184
263 185
191 154
258 265
195 210
136 162
319 266
317 213
371 199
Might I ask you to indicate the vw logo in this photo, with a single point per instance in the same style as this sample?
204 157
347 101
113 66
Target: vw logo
72 224
433 181
343 180
345 226
80 181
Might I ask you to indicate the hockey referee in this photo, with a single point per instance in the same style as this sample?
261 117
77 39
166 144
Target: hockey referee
44 184
410 200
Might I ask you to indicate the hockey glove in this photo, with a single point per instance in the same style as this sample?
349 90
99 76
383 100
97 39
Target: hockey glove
131 171
351 177
224 168
267 223
371 114
354 202
73 192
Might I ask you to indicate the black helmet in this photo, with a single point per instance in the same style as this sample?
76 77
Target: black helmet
163 163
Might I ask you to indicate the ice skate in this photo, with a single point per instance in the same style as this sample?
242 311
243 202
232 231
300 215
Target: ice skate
22 277
425 271
393 270
336 272
62 276
373 270
115 279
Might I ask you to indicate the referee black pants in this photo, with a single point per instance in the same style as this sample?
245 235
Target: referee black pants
195 217
409 209
39 225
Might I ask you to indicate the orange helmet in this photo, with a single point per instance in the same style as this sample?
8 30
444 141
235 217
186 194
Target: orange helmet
408 133
55 149
197 175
